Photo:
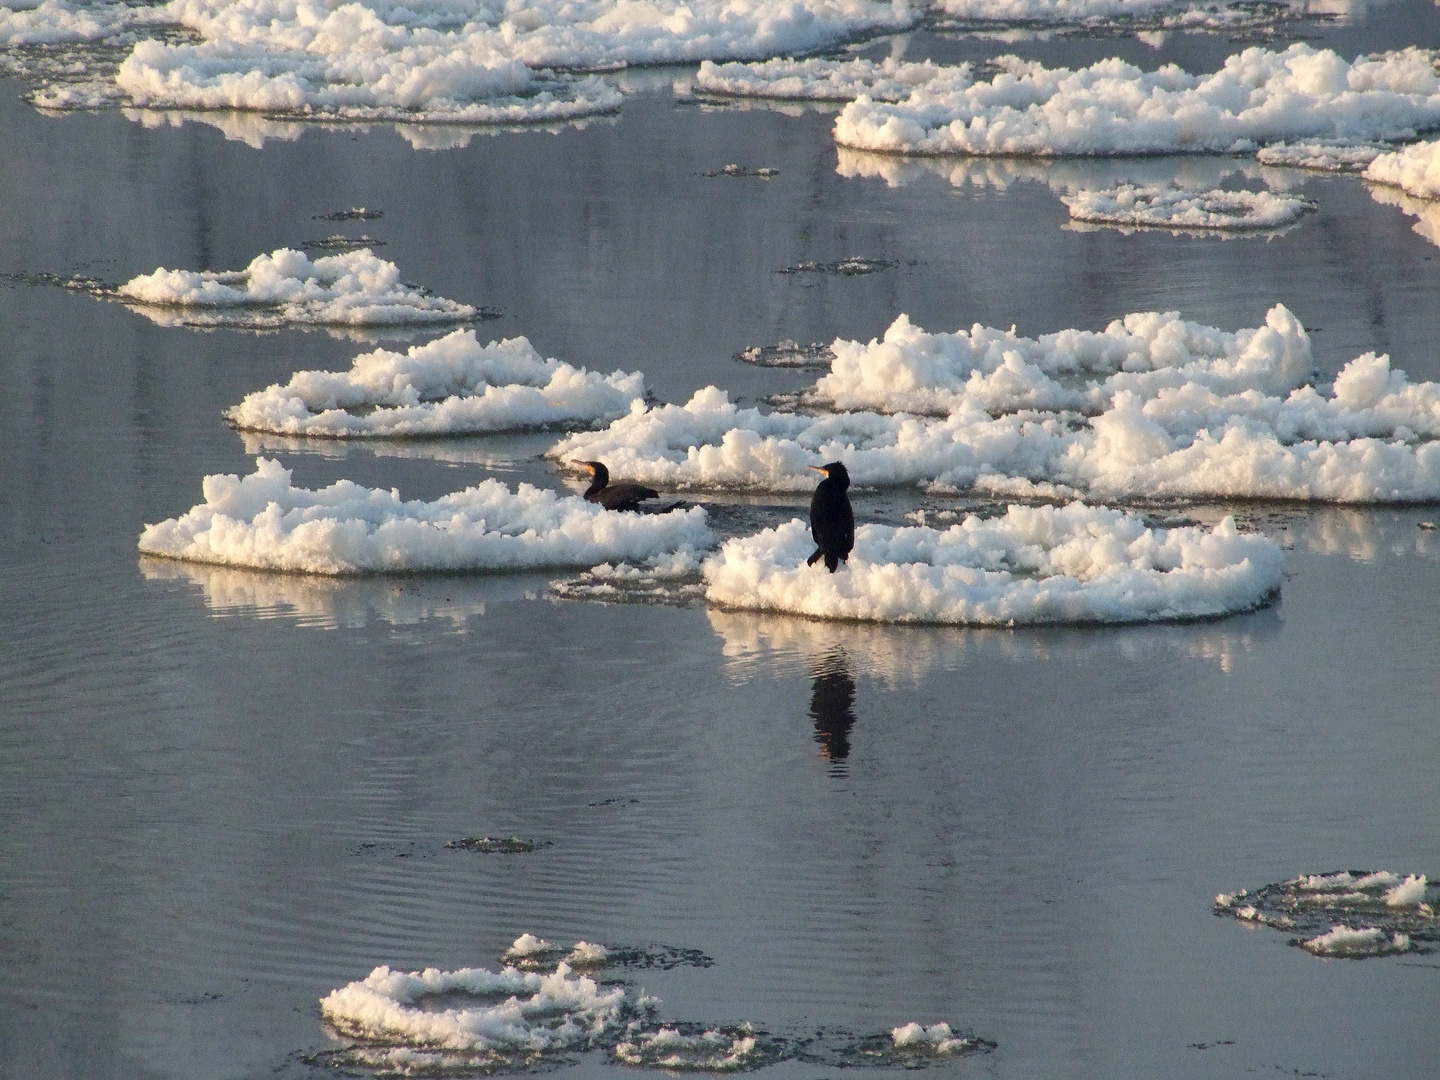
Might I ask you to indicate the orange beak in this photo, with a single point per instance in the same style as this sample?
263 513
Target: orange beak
820 469
587 466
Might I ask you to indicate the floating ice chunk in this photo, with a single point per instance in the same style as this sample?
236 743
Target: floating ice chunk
1322 155
998 370
560 1010
353 72
1349 913
1408 892
471 61
1415 169
1071 564
354 289
824 80
1365 941
1112 107
712 1050
449 386
1183 410
528 944
711 443
586 954
937 1038
1176 208
262 521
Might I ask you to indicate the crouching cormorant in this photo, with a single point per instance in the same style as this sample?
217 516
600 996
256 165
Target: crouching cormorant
621 495
832 522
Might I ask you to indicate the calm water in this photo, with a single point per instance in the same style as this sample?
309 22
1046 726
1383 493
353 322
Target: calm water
225 794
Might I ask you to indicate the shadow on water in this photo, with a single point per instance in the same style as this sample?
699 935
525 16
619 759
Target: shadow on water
832 707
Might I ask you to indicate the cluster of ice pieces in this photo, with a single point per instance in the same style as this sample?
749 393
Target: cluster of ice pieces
1070 564
1351 913
1176 208
1178 410
1322 155
526 1012
478 1021
1258 97
262 521
355 289
450 386
458 61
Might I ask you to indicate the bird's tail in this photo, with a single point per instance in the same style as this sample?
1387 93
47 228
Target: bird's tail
813 559
832 562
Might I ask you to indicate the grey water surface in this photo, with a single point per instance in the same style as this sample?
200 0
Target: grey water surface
224 793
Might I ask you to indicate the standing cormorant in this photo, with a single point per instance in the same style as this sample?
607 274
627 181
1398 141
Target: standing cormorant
621 495
832 522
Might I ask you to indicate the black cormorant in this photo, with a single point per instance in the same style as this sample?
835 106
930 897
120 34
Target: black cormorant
621 495
832 522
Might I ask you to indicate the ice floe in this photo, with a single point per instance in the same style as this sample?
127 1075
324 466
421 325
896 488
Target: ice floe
1182 410
694 1048
450 386
1176 208
1349 913
463 61
286 287
1259 96
1322 155
513 1016
1071 564
263 522
539 1011
1135 16
821 80
1414 169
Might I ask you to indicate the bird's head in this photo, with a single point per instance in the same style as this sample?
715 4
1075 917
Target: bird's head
834 471
594 468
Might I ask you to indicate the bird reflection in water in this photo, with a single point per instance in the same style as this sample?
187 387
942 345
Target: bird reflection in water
832 707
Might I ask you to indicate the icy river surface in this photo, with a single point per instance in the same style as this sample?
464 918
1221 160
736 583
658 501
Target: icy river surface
230 793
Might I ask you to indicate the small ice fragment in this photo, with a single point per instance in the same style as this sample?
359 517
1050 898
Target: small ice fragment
529 945
937 1037
1410 891
587 955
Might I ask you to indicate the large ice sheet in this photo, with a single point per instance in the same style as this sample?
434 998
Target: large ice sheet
1070 564
357 288
450 386
262 521
1415 169
1186 411
467 61
1259 96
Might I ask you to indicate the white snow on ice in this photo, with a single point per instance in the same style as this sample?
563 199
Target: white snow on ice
1176 208
516 1012
1361 942
357 288
462 61
1070 564
714 1050
937 1038
1259 96
263 522
1182 410
450 386
821 80
1322 155
1415 169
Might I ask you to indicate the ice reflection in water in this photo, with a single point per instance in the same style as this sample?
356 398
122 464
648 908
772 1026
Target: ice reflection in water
759 645
1426 210
444 603
255 129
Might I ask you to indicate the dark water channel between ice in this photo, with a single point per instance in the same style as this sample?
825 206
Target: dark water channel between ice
224 794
